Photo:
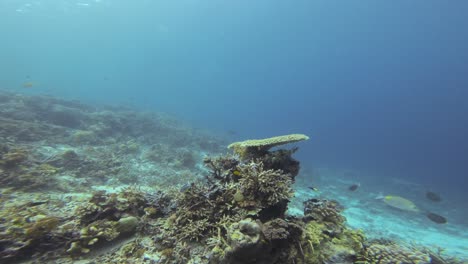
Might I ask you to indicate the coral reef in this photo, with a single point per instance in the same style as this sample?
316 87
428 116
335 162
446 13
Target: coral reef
65 145
112 185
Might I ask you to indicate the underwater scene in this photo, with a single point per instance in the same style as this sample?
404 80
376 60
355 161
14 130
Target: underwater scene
233 132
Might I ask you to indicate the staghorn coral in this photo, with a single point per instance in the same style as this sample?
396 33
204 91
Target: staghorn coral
197 213
222 169
264 188
258 147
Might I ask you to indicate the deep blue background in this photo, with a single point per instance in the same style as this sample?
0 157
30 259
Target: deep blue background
379 86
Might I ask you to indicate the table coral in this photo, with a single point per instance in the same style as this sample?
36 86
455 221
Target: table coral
257 147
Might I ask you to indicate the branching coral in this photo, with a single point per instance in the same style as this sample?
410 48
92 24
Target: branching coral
222 169
200 212
263 187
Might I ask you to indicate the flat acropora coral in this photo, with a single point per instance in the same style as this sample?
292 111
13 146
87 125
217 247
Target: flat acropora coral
256 147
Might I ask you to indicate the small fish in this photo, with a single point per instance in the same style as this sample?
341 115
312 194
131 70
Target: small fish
231 132
28 85
186 187
433 196
436 218
31 204
400 203
236 172
353 187
36 203
313 188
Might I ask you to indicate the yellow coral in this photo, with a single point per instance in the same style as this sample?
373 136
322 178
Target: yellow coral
13 158
248 148
43 226
314 232
312 240
83 136
47 169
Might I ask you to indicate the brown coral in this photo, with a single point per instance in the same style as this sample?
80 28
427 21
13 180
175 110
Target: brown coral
323 211
265 187
394 253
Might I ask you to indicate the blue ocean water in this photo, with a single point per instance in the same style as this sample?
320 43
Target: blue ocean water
381 87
